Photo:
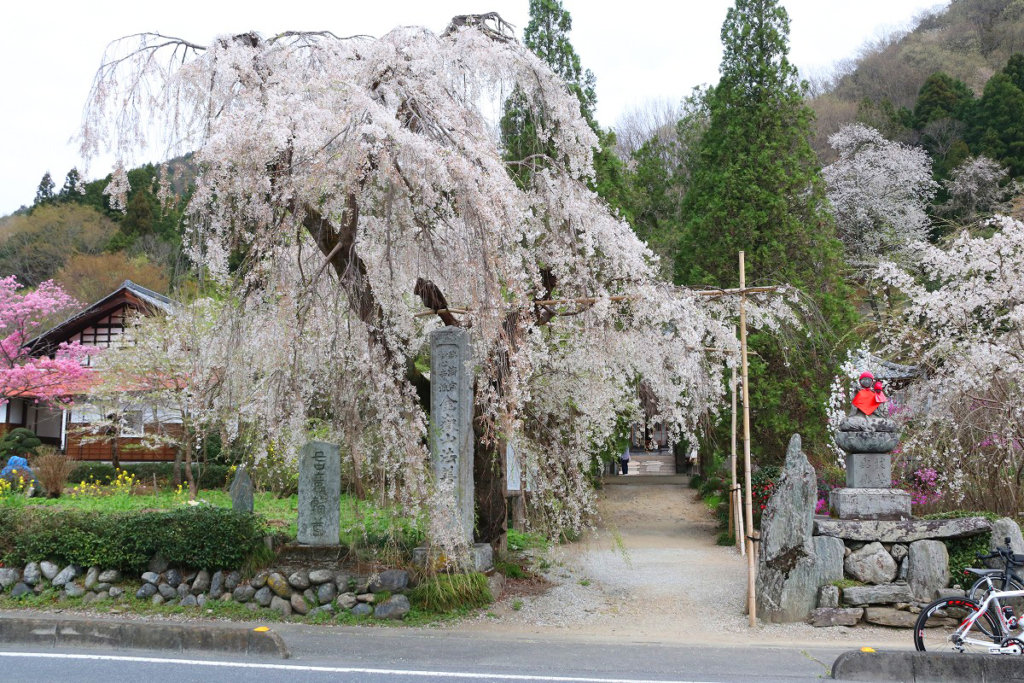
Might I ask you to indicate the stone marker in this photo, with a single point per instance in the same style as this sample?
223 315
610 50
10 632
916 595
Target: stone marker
319 494
242 491
451 428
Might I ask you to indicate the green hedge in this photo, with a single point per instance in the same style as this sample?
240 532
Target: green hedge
208 476
197 537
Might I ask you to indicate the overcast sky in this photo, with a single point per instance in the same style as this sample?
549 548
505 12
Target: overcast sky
637 49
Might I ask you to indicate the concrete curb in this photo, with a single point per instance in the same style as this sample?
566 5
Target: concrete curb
927 667
141 635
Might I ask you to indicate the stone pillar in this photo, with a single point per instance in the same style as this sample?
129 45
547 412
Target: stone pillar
242 491
319 494
451 427
868 495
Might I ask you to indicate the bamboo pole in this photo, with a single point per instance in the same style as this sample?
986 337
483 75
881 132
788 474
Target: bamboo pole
735 499
751 598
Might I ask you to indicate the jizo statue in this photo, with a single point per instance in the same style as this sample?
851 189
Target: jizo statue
870 395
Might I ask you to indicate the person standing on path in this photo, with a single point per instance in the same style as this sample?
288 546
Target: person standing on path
624 460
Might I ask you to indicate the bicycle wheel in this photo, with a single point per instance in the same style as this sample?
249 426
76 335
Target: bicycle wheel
979 591
936 628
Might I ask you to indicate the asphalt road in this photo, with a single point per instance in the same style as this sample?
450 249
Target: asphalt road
398 656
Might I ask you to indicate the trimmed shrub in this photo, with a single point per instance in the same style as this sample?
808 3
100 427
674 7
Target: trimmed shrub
196 537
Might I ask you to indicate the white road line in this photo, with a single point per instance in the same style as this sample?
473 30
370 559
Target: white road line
337 670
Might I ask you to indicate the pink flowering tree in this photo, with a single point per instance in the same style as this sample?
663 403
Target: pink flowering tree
43 379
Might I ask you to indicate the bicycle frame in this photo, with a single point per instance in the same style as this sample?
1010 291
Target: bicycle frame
992 599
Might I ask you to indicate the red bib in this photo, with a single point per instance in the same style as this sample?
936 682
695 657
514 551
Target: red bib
866 401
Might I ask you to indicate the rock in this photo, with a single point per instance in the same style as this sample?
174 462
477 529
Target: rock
1001 529
888 616
310 596
49 570
231 581
116 591
366 597
8 577
166 591
227 597
148 590
950 593
326 593
201 584
362 610
319 576
151 577
65 575
244 593
157 599
217 585
201 599
260 580
929 569
32 575
322 609
183 589
263 596
347 601
21 588
73 590
173 577
904 568
793 566
299 580
171 603
299 604
252 606
102 587
824 617
188 577
279 585
102 595
903 531
392 581
871 564
110 576
281 605
395 607
158 565
496 584
189 601
242 491
343 581
361 584
899 551
828 596
92 578
877 595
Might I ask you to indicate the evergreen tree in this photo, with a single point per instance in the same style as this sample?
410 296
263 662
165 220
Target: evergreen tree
44 193
940 97
756 188
1015 69
70 189
998 130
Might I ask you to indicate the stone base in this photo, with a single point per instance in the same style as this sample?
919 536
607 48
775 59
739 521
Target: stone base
871 504
480 558
868 470
295 553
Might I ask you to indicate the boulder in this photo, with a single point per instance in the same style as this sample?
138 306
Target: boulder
201 599
8 577
279 585
73 590
322 609
243 493
281 605
260 580
395 607
166 591
899 551
189 601
326 593
32 575
110 576
366 597
263 597
183 589
824 617
347 601
116 591
877 595
392 581
310 596
173 577
92 578
227 597
362 610
871 564
21 588
828 596
901 531
158 565
102 595
889 616
157 600
65 575
217 585
49 570
320 576
1001 530
929 569
299 580
102 587
147 590
243 593
299 604
231 581
343 582
151 577
792 565
201 584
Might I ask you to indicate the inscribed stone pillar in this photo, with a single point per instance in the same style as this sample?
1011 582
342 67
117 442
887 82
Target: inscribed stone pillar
451 427
242 492
319 494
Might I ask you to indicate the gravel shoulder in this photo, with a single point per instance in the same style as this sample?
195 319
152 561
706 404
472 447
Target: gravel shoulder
651 572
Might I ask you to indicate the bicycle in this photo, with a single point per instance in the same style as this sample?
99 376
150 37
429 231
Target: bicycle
985 626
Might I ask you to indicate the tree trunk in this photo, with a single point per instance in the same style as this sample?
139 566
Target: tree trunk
115 458
489 491
189 477
177 466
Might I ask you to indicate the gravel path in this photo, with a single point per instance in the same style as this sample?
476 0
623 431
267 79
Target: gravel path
651 572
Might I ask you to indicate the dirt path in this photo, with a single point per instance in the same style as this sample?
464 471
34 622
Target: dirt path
651 572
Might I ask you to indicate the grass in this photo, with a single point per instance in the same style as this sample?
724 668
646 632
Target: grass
843 584
726 538
517 605
446 592
527 540
584 582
